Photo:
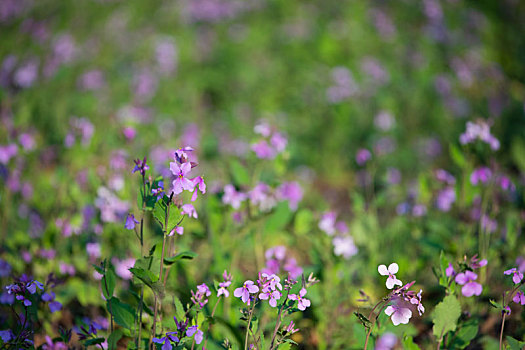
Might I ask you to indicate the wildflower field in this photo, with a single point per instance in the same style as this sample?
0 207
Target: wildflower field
262 174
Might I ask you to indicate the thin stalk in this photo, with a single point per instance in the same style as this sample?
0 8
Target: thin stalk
209 328
504 312
248 327
141 239
373 322
278 322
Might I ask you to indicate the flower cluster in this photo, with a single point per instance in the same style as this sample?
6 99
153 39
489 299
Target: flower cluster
180 169
23 288
223 286
401 301
277 261
200 297
342 241
467 277
480 130
272 144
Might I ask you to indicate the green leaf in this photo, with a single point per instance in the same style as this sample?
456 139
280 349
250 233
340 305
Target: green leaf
363 319
123 314
189 255
94 341
285 346
239 173
159 213
279 218
514 344
457 156
303 221
408 343
145 276
496 304
464 336
179 309
108 283
445 316
174 219
114 338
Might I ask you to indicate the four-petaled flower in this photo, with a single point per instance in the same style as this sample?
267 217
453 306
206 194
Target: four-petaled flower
273 296
244 292
398 314
416 300
181 182
302 303
517 276
198 183
392 280
466 279
188 209
159 191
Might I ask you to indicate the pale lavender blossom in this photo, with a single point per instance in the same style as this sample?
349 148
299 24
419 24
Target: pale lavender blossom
467 280
517 276
122 267
244 292
279 142
480 130
344 246
181 182
263 150
327 222
481 175
387 341
399 315
344 85
189 209
362 156
292 192
445 199
196 332
166 55
232 197
7 152
384 121
519 298
302 302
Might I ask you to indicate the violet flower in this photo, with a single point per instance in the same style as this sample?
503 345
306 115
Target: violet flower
399 315
244 292
196 332
517 276
466 279
130 222
166 341
181 182
302 303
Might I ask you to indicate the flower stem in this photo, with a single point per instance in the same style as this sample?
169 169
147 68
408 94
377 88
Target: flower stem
212 314
278 322
373 322
248 327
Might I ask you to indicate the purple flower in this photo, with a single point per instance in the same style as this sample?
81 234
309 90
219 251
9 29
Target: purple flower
466 279
232 197
479 130
140 166
290 329
517 276
302 303
387 341
273 296
519 298
194 330
292 192
130 222
244 292
159 191
344 246
181 182
7 152
278 141
189 209
262 128
416 300
362 156
122 267
399 315
449 271
263 150
198 182
327 222
223 289
178 229
480 175
506 184
446 198
201 296
392 280
166 341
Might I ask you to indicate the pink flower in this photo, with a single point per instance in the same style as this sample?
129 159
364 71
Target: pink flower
392 280
398 314
181 182
466 279
198 182
232 197
263 150
517 276
244 292
188 209
302 303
